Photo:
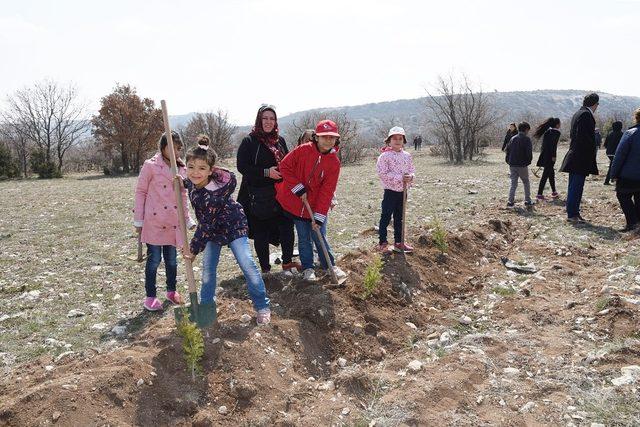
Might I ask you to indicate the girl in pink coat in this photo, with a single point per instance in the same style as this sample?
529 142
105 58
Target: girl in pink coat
156 218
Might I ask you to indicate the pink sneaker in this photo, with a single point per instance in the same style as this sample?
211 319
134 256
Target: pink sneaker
402 247
555 195
540 197
263 317
152 304
175 297
383 247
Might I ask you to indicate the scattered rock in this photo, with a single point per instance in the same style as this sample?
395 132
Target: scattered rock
411 325
140 382
519 268
345 411
63 355
245 318
56 416
222 410
527 407
75 313
445 337
119 330
414 366
465 320
511 371
327 386
342 362
245 391
99 326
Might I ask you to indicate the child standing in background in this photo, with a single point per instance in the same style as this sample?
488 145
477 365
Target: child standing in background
395 169
519 155
156 219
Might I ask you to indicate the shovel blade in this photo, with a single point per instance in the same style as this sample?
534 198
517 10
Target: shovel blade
202 315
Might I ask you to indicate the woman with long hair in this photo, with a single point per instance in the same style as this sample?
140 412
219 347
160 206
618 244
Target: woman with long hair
549 131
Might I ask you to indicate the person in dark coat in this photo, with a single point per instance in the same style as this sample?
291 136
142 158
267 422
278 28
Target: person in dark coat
258 159
549 131
580 160
625 170
512 131
519 155
610 144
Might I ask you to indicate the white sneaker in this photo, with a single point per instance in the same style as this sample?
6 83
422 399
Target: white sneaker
309 275
339 273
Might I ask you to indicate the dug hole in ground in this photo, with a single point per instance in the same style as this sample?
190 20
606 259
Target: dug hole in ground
448 336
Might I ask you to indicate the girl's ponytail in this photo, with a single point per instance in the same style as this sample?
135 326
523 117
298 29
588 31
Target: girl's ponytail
551 122
203 151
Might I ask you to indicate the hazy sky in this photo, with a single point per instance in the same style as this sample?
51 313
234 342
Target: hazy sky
295 54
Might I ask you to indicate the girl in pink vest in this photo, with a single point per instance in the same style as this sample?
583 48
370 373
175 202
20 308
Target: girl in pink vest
156 218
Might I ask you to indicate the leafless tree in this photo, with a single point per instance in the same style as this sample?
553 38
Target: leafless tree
459 115
216 126
381 128
49 115
19 144
352 147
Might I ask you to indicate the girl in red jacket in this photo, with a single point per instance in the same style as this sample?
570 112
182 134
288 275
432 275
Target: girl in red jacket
310 172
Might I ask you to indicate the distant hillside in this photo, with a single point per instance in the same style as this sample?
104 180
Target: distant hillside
514 106
411 113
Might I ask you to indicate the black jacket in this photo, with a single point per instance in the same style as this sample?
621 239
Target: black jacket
519 151
253 159
581 157
507 138
611 142
549 148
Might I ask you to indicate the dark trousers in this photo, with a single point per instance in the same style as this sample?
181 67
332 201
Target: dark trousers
574 194
155 254
262 230
391 206
608 178
630 204
550 174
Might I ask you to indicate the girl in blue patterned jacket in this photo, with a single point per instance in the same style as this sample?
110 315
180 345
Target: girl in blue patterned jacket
221 222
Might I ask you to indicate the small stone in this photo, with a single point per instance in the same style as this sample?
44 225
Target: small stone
511 371
345 411
465 320
140 382
311 379
445 337
357 329
527 407
56 416
99 326
245 318
215 341
48 368
63 355
342 362
412 326
597 425
479 400
75 313
222 410
415 366
228 344
119 330
70 387
153 374
328 386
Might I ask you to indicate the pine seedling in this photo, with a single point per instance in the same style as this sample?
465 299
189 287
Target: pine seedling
192 344
439 235
372 277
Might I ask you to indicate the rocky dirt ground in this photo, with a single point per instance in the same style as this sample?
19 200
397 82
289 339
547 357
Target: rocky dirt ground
445 339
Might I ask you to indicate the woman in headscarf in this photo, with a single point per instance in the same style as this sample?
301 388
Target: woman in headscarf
259 156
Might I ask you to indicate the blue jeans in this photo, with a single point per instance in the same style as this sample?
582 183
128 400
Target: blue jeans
574 194
306 236
242 252
155 253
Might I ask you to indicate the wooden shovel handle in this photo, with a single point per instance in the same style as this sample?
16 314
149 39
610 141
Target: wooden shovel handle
176 187
334 278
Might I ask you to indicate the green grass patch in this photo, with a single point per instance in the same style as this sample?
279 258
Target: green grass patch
372 277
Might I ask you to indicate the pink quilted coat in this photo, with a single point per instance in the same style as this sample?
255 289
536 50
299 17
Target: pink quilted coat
155 204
